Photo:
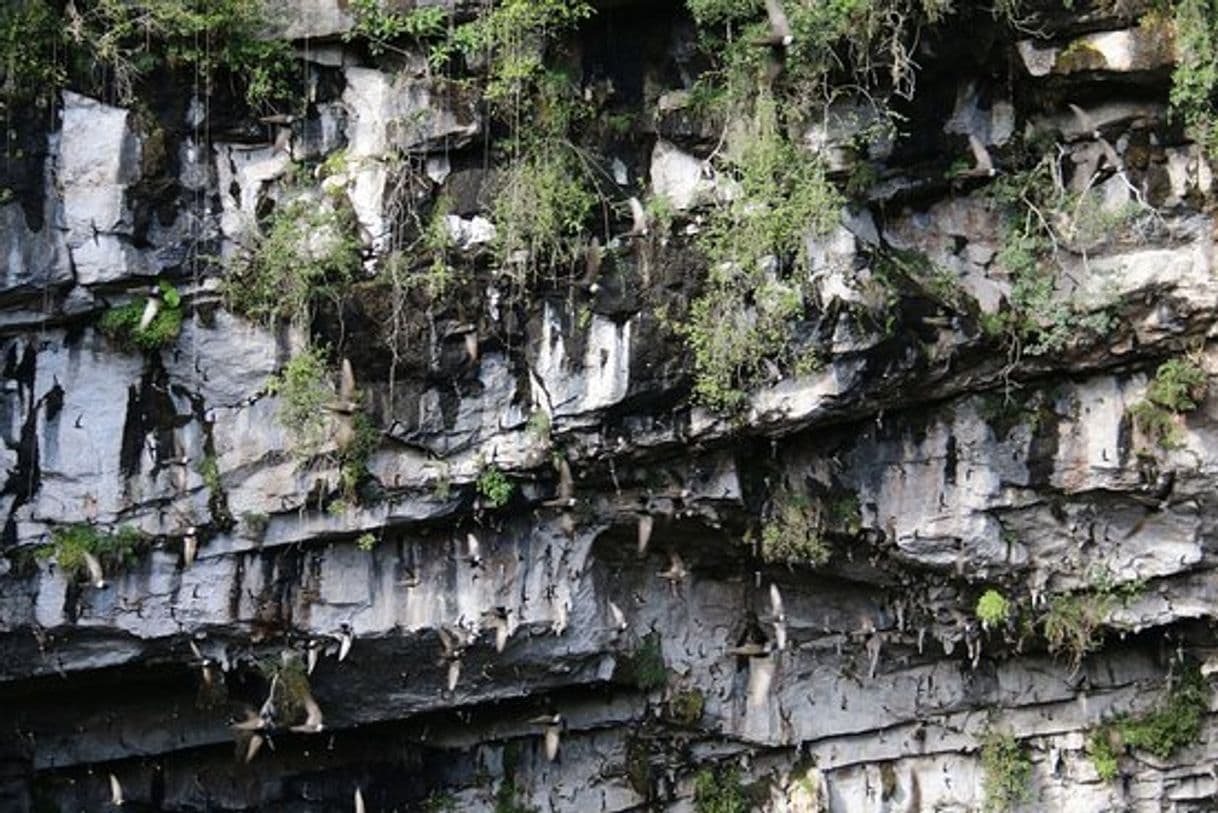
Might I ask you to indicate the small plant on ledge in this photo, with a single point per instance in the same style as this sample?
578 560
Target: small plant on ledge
1179 386
72 547
149 323
494 487
993 609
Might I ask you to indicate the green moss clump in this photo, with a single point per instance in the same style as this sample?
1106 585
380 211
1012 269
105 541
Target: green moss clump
494 486
685 707
720 791
308 250
1179 386
122 324
1195 78
1008 772
366 542
380 27
114 549
353 458
993 609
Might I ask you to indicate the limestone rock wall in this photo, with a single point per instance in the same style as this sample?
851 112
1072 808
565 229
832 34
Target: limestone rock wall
965 466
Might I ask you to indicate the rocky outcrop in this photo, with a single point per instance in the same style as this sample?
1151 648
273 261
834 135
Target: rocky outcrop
622 580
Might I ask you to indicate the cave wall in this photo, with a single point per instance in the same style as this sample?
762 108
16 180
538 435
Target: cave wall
967 466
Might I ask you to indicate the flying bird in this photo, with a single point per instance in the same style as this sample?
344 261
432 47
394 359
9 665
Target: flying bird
646 522
638 218
96 576
151 308
116 792
452 643
190 547
780 27
552 727
561 618
359 801
344 637
473 550
312 651
778 618
619 617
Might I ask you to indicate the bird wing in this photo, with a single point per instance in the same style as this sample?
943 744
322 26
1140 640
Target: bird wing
116 791
344 646
313 716
253 747
195 649
980 154
646 522
1084 118
359 801
780 636
95 569
566 482
619 618
638 216
454 673
780 27
552 741
346 384
776 609
471 542
678 565
501 635
151 309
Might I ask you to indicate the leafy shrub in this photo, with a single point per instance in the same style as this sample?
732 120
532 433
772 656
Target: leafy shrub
685 707
112 44
303 389
122 324
381 27
309 249
366 542
1175 724
1008 772
494 486
720 791
1179 386
1195 78
793 534
69 544
993 609
647 663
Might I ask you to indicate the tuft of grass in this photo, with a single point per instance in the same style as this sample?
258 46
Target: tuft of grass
720 791
1179 386
647 663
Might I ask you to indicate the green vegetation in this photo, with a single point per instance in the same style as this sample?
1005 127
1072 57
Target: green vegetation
304 390
308 249
754 245
685 707
494 486
113 549
209 470
720 791
507 796
111 45
1008 772
993 609
793 534
380 27
122 324
647 663
293 685
1195 79
1174 724
1179 386
1073 624
353 456
366 542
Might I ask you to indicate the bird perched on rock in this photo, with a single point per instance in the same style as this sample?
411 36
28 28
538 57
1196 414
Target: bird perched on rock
552 725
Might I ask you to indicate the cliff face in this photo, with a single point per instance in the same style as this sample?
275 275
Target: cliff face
986 510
